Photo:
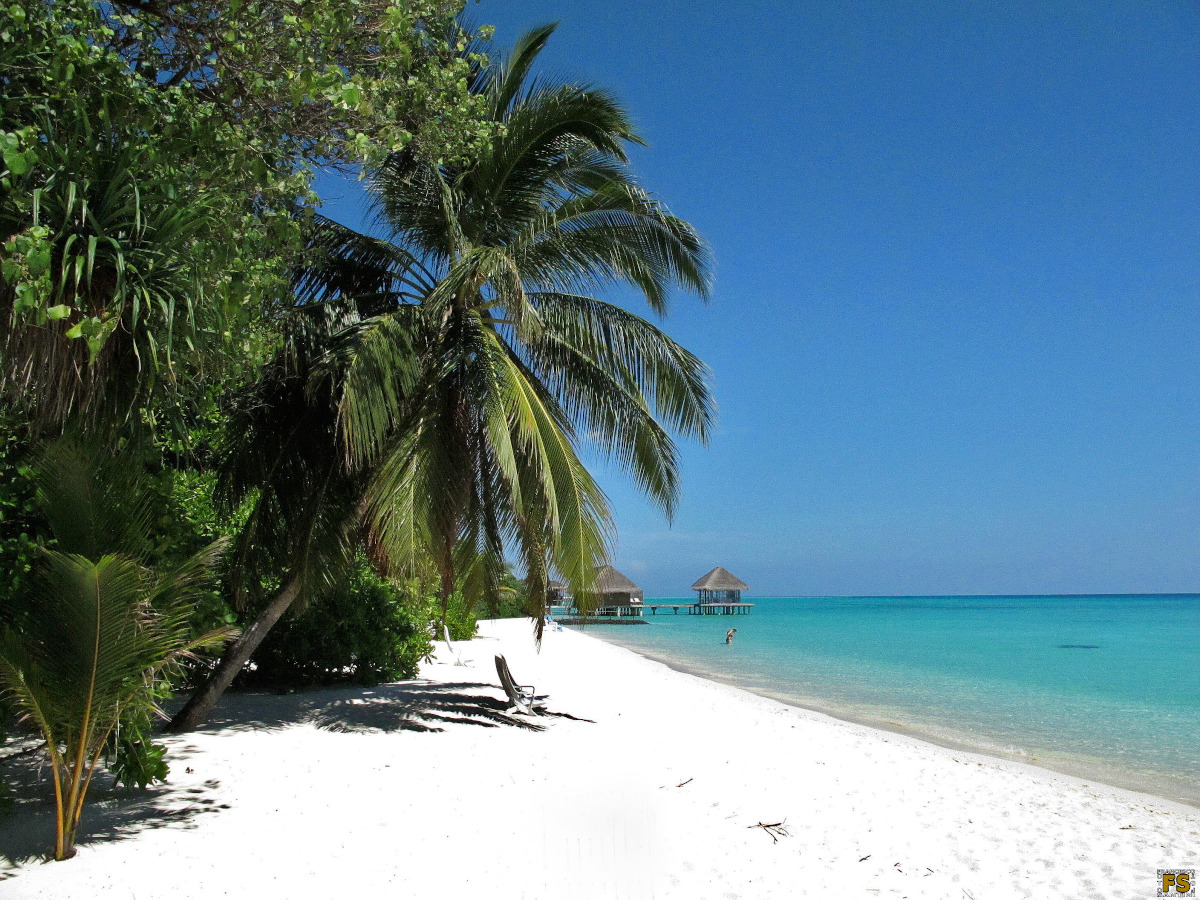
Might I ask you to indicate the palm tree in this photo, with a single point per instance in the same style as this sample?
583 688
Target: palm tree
103 627
280 451
518 364
434 388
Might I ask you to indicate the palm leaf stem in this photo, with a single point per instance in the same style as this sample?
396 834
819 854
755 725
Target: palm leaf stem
76 795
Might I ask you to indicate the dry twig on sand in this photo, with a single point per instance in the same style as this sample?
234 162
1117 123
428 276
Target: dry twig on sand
775 829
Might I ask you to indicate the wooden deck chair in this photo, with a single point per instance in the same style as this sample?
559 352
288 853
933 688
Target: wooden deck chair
521 696
458 660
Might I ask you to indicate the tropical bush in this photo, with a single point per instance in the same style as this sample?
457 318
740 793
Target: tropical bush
367 631
151 170
22 527
461 619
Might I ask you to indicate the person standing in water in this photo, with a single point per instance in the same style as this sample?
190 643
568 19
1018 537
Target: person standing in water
729 635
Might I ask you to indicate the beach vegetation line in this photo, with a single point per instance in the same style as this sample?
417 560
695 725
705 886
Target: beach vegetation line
367 424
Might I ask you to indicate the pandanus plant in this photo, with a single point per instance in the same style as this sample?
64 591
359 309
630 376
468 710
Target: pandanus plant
108 282
102 628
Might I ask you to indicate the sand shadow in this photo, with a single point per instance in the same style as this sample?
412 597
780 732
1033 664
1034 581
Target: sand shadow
405 706
113 813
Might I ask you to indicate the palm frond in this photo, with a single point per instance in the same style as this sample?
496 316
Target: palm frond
561 496
507 76
580 332
364 273
613 233
95 505
380 364
468 366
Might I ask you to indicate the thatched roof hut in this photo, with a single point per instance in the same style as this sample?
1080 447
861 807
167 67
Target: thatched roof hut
720 585
615 589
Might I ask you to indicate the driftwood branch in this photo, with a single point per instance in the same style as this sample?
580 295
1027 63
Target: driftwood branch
775 829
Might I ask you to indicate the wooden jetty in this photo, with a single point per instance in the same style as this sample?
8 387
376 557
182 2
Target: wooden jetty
674 607
725 609
702 609
720 594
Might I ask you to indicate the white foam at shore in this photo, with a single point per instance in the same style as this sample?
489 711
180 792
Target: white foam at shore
314 795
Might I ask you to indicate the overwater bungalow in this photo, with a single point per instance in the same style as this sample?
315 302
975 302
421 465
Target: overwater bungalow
556 594
720 593
618 595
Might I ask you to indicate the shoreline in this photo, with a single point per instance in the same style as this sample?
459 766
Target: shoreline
640 782
1076 767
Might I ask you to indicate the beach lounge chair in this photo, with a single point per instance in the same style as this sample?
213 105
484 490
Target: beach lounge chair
458 660
521 696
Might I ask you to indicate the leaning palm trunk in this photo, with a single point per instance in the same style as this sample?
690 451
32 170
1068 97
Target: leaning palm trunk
305 515
200 705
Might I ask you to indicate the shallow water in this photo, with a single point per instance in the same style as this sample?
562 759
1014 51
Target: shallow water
1106 687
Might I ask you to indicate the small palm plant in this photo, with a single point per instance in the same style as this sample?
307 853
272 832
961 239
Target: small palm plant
103 628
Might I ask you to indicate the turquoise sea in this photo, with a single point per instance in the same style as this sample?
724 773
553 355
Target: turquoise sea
1105 687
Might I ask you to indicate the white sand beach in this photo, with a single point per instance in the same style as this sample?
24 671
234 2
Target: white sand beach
643 782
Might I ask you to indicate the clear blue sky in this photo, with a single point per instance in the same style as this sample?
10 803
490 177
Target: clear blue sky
956 324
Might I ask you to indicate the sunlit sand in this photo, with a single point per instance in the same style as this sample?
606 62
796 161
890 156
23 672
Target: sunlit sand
640 782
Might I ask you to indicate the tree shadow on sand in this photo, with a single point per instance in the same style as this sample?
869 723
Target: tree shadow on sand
113 813
409 706
27 829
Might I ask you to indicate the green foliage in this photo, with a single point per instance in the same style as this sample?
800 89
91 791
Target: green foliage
365 632
22 528
461 620
104 627
127 290
22 531
279 461
182 520
318 81
152 164
188 515
512 600
130 754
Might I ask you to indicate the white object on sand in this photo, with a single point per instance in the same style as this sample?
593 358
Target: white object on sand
458 660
